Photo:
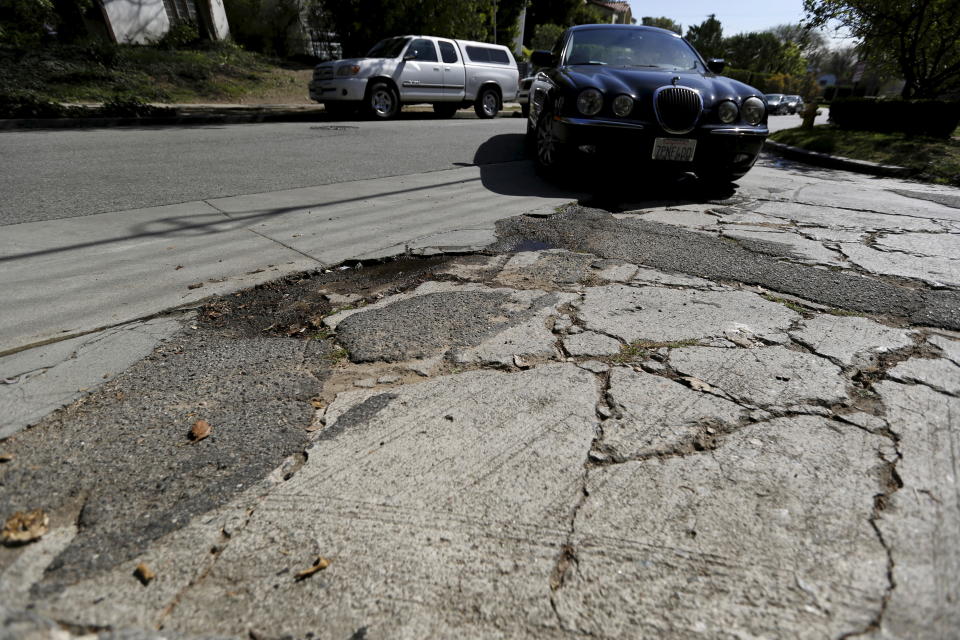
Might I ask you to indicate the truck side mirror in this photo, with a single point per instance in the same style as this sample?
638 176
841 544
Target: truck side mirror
541 59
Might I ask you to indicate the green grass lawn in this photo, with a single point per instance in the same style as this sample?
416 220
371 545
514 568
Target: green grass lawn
100 72
932 159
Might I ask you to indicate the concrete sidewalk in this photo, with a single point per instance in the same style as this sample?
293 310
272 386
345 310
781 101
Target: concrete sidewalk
693 417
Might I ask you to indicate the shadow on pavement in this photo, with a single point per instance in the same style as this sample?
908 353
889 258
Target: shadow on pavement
596 181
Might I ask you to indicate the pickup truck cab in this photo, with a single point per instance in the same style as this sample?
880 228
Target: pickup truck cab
449 74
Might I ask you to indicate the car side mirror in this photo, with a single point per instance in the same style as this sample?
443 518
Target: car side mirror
410 56
541 59
717 65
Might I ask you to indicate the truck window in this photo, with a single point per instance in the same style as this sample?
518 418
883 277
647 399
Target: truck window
447 52
389 48
423 50
487 54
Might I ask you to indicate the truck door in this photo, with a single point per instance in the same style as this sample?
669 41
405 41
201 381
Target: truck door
454 74
421 77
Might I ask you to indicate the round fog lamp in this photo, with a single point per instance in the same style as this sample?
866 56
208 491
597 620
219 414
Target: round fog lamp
622 105
753 110
728 112
589 102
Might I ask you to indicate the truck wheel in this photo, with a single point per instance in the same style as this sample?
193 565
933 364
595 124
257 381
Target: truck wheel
445 109
488 103
382 101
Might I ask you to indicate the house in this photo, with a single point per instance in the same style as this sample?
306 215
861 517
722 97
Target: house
615 12
143 21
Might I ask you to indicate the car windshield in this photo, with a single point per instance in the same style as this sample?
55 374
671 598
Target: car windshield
630 48
774 97
389 48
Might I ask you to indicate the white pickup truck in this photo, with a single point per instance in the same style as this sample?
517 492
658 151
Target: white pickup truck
449 74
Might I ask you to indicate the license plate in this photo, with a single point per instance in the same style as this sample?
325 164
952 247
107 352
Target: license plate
675 149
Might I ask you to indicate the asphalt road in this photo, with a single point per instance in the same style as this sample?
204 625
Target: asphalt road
50 175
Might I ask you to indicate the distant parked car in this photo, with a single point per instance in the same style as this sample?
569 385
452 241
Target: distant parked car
647 95
449 74
794 104
776 104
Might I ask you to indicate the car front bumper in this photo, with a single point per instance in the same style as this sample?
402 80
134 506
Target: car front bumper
338 89
731 146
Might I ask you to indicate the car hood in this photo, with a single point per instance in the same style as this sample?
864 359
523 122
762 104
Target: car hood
641 83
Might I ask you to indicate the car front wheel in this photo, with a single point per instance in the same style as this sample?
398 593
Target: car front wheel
382 102
488 103
551 154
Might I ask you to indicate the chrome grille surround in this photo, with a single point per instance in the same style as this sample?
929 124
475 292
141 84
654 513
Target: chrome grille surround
677 108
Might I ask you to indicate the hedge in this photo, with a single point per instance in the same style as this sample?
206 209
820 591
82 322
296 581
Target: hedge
934 118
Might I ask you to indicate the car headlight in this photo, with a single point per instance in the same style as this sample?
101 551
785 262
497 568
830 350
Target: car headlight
622 105
348 70
589 102
728 112
753 110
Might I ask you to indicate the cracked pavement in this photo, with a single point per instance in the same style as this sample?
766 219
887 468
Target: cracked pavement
718 418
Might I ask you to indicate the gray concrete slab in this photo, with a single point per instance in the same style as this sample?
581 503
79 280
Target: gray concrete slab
850 341
39 381
771 376
919 520
670 315
747 540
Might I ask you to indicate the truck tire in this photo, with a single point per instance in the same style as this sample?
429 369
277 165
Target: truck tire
382 101
445 109
488 103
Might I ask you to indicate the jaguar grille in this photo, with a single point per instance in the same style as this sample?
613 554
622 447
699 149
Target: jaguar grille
677 108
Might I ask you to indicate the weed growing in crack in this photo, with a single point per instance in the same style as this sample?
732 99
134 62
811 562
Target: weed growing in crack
337 356
789 304
640 349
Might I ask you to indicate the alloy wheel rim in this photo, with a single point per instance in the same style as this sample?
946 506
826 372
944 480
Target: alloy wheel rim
382 102
489 103
546 141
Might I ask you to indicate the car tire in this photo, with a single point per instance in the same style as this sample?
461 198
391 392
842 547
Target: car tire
525 110
550 155
488 103
382 101
445 109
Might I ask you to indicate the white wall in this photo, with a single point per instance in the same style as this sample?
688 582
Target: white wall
138 21
220 25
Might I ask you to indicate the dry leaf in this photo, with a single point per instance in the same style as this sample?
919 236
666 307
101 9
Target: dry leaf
201 429
313 427
317 403
520 363
25 527
698 385
178 267
195 286
319 564
144 574
6 457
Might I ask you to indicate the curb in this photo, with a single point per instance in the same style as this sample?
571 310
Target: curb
836 162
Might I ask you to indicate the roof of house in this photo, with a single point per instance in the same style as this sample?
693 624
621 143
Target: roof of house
617 6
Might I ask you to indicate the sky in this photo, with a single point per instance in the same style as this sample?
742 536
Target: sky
734 17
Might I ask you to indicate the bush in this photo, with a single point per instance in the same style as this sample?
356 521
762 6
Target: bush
23 104
182 34
934 118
